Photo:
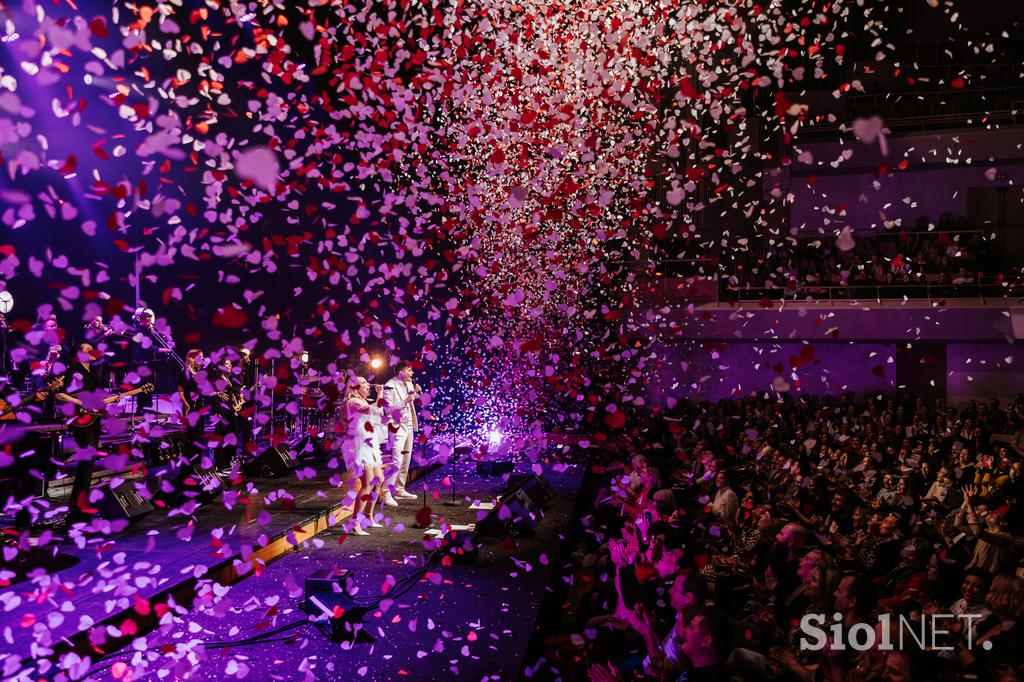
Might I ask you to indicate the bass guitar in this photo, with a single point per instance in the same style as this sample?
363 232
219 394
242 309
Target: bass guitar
86 418
7 411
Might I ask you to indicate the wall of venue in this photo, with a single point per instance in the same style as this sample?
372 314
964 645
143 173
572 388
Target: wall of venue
955 172
955 371
949 353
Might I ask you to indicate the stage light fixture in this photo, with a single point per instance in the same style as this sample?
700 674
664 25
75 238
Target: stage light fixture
304 358
494 437
375 363
6 302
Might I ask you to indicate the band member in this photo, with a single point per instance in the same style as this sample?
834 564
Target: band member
246 370
28 404
192 400
151 356
226 404
48 365
96 330
246 376
400 394
144 319
47 338
80 382
360 449
43 373
50 332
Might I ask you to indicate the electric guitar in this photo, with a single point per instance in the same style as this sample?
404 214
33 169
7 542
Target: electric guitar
235 400
237 403
86 418
7 411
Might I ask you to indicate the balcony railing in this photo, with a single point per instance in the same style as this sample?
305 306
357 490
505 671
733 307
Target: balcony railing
698 281
985 290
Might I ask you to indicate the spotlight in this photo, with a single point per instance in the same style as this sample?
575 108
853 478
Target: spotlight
304 358
494 437
375 363
6 302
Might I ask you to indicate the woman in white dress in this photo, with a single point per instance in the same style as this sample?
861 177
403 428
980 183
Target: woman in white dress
360 448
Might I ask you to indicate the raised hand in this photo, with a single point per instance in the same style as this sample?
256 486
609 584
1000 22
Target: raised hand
645 622
618 553
632 547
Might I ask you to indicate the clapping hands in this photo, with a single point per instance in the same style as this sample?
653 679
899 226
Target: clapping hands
623 552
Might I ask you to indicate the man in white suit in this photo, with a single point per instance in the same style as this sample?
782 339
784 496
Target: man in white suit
401 395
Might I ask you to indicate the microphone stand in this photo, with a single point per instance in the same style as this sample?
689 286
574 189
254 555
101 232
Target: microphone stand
167 346
273 410
254 394
454 502
5 361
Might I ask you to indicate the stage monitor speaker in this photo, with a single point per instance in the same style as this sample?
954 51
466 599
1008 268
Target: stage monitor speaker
327 597
123 502
515 513
327 580
200 485
274 462
461 547
490 468
535 486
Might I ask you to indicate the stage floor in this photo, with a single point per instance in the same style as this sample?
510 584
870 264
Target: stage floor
455 620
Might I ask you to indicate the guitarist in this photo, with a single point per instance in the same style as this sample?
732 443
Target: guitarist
246 375
226 406
192 400
79 378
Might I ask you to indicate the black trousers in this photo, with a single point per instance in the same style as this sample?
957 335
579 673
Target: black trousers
195 440
84 437
23 479
228 422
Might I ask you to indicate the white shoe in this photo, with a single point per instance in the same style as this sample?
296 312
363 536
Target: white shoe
358 531
376 525
405 495
390 501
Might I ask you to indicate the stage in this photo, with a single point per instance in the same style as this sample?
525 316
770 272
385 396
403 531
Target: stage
454 618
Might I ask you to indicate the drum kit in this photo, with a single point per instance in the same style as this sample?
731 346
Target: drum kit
311 418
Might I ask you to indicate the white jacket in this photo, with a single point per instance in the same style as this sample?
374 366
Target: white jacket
401 403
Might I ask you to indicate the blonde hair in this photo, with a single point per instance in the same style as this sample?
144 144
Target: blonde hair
1006 595
351 385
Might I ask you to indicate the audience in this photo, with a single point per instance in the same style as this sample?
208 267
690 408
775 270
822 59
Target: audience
736 520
